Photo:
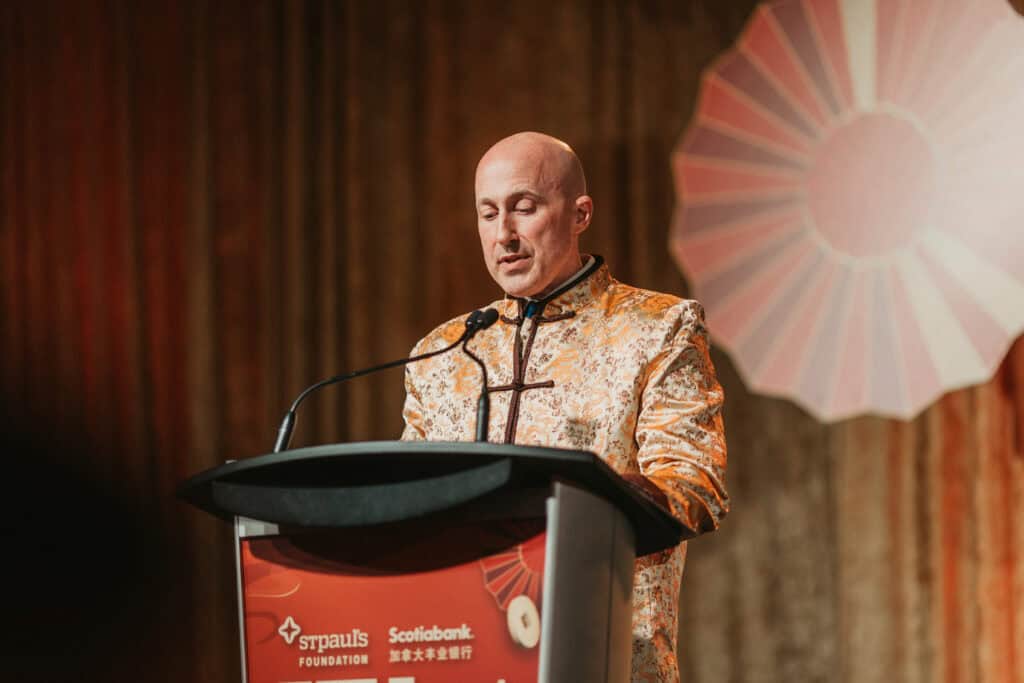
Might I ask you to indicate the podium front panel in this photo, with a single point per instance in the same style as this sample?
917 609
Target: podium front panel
350 607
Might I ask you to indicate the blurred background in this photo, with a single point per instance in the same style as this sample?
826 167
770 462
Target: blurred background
206 206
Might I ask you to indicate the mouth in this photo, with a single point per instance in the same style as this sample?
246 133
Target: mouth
512 258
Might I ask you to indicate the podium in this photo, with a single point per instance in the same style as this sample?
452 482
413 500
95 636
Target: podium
430 562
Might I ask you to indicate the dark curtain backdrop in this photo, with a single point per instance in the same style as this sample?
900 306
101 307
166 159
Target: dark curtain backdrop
206 206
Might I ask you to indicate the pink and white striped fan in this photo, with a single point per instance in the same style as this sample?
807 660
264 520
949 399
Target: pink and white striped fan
851 200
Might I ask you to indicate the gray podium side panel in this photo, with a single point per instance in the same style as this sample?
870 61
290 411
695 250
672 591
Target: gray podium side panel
588 585
246 528
620 603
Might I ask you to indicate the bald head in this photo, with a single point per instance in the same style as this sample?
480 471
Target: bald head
532 205
556 160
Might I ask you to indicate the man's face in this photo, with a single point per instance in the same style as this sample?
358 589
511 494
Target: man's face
528 227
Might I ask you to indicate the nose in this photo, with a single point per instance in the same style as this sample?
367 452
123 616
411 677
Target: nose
506 230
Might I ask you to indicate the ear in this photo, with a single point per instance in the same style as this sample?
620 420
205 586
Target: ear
584 212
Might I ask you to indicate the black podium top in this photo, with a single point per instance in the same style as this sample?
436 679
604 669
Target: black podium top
379 482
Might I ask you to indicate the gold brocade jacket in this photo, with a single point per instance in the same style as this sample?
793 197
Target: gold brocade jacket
603 367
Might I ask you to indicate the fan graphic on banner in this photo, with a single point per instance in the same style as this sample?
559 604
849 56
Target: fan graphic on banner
852 200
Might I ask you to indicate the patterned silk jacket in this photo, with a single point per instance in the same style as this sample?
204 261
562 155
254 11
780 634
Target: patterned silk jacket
603 367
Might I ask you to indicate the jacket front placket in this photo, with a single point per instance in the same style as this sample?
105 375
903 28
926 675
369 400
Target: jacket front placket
524 336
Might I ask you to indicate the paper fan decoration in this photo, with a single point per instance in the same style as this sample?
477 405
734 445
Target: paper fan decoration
507 575
852 200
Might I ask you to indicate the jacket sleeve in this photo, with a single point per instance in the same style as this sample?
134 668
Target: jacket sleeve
412 411
679 432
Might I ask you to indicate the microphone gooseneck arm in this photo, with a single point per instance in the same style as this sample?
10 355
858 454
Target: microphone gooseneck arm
483 404
474 323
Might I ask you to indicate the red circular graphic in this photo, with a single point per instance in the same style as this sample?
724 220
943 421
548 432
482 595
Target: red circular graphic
510 574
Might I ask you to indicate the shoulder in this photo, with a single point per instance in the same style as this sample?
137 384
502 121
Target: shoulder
442 335
445 333
653 306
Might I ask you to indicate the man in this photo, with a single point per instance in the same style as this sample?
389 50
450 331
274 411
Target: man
578 360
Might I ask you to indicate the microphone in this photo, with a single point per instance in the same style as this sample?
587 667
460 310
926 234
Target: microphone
475 322
483 404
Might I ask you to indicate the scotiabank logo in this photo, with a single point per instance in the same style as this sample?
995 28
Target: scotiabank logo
322 642
432 634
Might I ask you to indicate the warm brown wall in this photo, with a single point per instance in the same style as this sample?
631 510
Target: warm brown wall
870 551
205 206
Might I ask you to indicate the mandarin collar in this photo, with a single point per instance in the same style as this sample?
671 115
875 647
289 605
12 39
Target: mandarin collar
563 302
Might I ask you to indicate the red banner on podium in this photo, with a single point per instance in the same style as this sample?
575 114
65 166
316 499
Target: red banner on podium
474 622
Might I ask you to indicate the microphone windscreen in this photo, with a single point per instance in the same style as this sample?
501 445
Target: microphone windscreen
473 320
488 318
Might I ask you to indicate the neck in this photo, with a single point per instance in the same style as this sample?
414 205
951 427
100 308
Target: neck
582 263
572 268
